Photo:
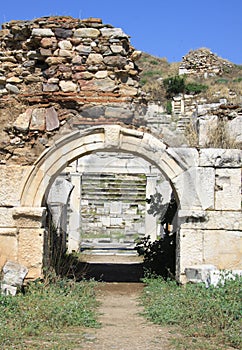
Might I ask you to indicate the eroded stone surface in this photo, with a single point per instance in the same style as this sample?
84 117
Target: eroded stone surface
228 189
13 277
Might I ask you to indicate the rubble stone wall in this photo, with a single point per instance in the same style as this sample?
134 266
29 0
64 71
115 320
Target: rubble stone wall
61 73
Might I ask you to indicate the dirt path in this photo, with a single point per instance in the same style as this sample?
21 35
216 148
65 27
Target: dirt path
122 326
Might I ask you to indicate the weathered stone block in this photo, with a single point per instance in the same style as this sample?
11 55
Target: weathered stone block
83 49
50 87
223 248
200 273
38 119
195 188
68 86
113 32
52 121
86 33
6 217
220 158
190 248
12 88
31 255
65 45
101 74
128 90
42 32
63 33
188 155
228 189
11 177
118 112
94 58
115 61
234 128
9 245
23 120
13 276
29 217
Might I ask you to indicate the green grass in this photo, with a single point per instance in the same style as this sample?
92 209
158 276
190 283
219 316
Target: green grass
44 310
206 318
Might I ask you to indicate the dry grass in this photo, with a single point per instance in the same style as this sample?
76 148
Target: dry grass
155 69
218 136
191 134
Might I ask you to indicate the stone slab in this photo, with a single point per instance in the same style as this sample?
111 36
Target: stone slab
52 121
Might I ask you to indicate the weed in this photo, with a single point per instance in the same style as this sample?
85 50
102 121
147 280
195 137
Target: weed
207 314
45 307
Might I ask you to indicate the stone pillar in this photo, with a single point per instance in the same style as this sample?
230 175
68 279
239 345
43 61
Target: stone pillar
150 220
74 227
30 224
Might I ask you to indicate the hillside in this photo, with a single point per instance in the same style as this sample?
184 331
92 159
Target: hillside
224 82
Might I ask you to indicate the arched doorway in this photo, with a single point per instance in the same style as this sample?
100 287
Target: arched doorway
109 138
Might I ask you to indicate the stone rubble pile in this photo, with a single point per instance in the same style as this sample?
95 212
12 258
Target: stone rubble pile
202 62
55 70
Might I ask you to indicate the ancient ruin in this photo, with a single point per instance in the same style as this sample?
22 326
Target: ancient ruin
78 142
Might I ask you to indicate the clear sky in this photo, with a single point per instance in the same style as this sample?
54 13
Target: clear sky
162 28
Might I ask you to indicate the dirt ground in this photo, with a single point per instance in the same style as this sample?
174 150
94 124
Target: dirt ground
122 327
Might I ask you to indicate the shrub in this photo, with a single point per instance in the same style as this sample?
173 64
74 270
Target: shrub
195 88
174 85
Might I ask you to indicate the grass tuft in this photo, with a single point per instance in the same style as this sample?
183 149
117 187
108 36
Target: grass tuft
210 316
42 309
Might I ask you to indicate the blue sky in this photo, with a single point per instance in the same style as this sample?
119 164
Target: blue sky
161 28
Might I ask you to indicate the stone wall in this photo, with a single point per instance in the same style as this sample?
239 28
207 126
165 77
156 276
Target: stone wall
207 184
61 73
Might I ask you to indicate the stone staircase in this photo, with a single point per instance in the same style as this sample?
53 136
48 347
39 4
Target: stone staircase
112 213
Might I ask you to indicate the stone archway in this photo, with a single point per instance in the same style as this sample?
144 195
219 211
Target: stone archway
106 138
183 177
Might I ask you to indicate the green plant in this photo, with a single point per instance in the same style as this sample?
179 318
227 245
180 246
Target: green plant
46 307
222 81
237 80
169 107
174 85
195 88
212 314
